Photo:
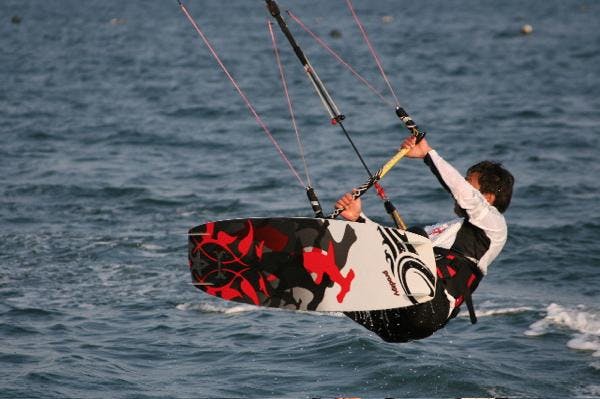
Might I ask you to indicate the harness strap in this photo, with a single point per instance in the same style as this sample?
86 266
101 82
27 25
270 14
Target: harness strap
470 307
460 276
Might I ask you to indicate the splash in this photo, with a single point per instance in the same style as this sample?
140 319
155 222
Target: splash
584 323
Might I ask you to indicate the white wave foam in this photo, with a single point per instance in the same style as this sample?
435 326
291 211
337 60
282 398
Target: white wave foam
584 323
151 247
152 251
499 311
241 308
502 311
207 307
580 320
585 342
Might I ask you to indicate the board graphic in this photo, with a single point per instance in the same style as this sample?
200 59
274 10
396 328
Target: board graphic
311 264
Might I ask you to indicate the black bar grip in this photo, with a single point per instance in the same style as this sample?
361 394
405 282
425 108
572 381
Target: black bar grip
409 123
273 8
314 202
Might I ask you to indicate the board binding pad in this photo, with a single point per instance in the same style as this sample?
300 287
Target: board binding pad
312 264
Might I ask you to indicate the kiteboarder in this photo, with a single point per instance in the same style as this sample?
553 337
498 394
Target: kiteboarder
464 247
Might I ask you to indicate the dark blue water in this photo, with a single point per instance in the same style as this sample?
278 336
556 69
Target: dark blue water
119 132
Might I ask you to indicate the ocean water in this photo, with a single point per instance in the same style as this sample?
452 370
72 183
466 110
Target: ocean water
119 132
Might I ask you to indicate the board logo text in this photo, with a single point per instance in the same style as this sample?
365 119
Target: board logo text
391 282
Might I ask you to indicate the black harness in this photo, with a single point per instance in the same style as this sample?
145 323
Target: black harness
460 276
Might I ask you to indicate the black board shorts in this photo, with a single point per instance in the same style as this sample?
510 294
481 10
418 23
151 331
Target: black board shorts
409 323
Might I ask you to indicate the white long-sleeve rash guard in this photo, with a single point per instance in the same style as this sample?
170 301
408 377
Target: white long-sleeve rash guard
482 234
480 214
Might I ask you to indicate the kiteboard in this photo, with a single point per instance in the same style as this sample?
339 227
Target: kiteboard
312 264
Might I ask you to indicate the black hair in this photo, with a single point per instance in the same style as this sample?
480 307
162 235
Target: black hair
494 179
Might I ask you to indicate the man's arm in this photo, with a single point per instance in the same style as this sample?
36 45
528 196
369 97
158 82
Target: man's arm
479 211
468 197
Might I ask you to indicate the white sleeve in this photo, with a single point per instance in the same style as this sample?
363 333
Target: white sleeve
480 212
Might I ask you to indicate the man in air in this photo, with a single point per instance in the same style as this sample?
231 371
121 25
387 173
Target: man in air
463 247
